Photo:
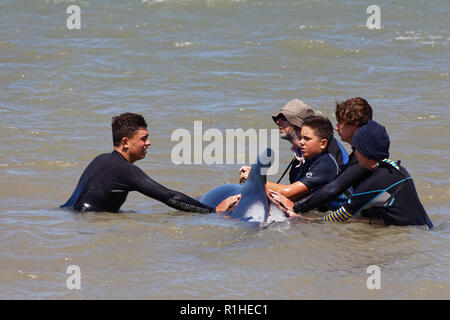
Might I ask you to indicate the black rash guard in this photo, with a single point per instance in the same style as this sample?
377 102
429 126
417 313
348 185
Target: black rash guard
316 172
105 183
351 176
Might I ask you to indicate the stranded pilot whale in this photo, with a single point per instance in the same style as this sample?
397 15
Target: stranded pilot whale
254 205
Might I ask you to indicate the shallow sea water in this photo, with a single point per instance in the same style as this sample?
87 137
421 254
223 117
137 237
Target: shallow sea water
230 64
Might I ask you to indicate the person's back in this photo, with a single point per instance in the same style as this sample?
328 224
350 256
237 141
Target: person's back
90 192
389 194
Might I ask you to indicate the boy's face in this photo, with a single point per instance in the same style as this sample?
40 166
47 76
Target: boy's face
137 145
310 144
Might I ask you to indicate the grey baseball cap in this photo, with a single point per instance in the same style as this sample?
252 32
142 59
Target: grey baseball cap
295 111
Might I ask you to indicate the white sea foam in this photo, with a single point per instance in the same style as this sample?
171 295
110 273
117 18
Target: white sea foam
183 44
419 37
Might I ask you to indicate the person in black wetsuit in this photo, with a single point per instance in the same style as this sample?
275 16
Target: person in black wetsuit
290 121
351 115
388 194
107 180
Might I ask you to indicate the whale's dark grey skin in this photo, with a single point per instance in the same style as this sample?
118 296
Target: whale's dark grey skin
254 205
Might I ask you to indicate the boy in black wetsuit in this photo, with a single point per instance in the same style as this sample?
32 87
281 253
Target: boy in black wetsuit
107 180
388 193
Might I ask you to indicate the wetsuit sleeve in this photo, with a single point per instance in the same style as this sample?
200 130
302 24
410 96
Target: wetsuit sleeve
144 184
339 215
364 194
333 189
352 207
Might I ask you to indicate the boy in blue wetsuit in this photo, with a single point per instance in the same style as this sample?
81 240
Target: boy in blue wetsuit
388 194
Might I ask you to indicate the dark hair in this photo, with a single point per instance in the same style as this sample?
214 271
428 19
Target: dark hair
125 125
355 111
322 127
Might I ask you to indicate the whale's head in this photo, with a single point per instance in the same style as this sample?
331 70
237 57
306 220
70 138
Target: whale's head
254 205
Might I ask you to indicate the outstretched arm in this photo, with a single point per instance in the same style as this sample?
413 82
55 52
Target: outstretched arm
174 199
286 206
333 189
293 192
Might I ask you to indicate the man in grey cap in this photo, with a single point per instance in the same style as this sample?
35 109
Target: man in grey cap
291 117
290 120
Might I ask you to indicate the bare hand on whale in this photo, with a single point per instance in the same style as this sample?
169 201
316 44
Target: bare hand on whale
228 204
286 206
